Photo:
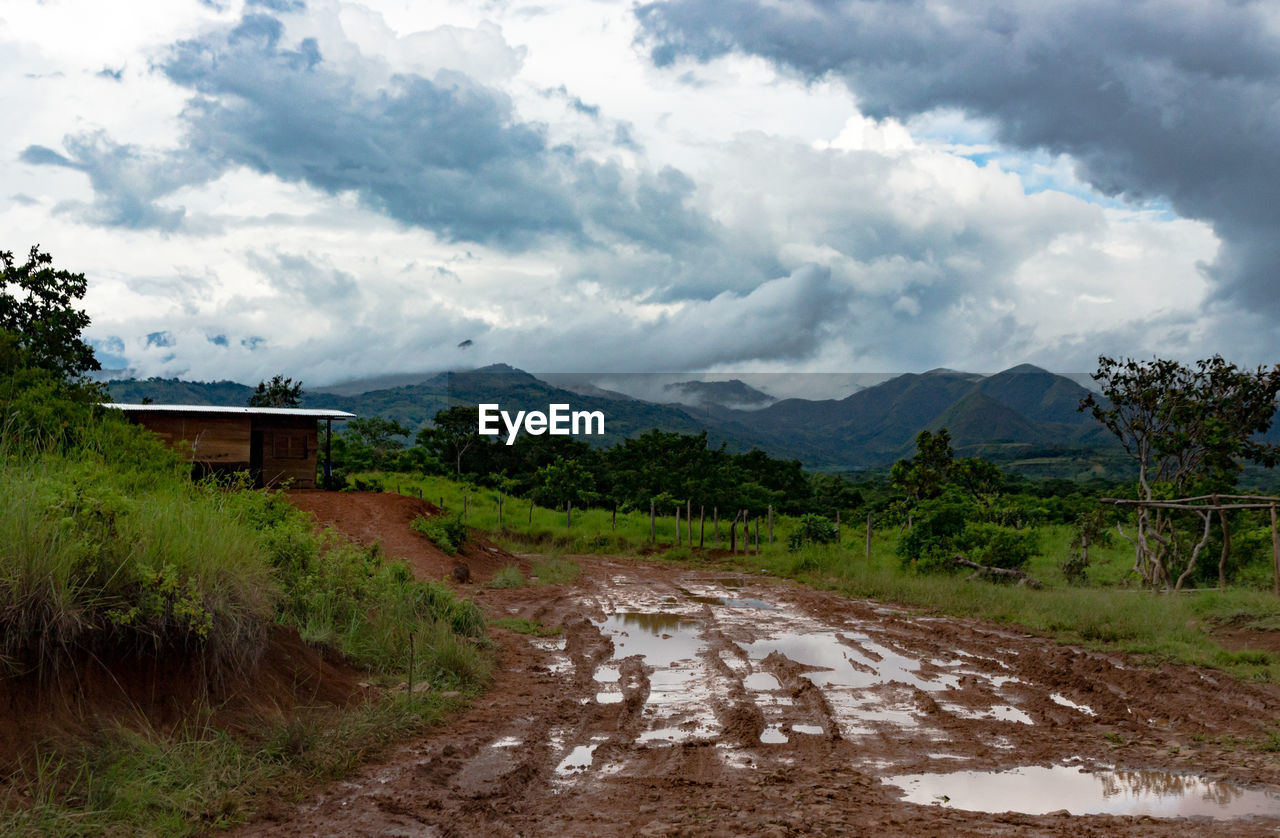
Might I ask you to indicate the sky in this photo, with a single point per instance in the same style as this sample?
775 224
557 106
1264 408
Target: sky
335 190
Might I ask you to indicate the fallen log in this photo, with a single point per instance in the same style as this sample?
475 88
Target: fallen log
1003 572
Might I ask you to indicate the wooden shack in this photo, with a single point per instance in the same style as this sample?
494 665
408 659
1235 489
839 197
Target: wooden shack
272 444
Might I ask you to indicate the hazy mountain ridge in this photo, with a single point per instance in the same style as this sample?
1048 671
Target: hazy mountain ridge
1023 411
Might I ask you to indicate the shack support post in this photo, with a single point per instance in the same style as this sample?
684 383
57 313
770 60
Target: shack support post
328 454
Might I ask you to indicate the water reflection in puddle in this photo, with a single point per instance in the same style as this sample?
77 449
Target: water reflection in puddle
773 736
661 638
579 759
1066 702
761 682
1038 790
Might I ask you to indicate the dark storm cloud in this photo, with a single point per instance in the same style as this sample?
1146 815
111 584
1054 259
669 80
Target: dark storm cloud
126 180
446 153
1153 100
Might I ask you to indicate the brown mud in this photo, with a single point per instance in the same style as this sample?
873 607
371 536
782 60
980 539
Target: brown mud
699 702
384 517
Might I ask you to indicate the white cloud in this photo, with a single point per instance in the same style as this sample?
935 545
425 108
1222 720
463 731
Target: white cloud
828 240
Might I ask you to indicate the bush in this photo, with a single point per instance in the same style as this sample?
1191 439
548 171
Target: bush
449 534
930 542
508 577
997 546
813 529
946 527
95 558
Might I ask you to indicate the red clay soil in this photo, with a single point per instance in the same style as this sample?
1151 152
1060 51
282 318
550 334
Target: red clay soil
91 693
705 702
384 518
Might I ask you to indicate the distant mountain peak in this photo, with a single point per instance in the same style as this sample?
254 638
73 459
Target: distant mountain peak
734 394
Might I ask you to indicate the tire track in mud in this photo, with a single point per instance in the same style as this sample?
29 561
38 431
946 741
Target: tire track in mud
690 702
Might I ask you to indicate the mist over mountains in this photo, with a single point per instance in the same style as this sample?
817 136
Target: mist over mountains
1024 417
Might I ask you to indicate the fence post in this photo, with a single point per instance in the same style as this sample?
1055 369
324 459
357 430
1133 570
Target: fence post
702 524
688 517
770 523
715 525
653 530
757 535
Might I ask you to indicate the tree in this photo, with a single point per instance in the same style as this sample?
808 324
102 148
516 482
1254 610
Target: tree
454 431
1187 428
924 476
564 482
372 441
40 311
280 392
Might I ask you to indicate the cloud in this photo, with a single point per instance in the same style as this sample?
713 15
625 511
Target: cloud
1160 100
445 154
127 180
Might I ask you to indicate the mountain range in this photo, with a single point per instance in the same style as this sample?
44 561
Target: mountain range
1025 416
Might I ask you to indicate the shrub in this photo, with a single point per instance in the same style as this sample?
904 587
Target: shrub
448 534
930 542
813 529
508 577
997 546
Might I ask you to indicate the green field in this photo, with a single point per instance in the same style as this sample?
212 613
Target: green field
1111 611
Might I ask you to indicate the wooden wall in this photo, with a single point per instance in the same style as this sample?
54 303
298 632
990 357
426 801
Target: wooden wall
289 447
286 445
221 440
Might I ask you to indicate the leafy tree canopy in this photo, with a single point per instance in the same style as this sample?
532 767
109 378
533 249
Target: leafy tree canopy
279 392
37 304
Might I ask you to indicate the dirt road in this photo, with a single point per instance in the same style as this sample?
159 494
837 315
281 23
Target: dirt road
678 702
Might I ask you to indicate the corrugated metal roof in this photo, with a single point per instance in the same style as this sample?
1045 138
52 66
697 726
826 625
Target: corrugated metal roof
210 408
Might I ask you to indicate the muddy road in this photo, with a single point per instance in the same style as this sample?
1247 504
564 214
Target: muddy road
681 702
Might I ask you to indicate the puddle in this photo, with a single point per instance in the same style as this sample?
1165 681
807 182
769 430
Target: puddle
702 598
761 682
748 602
847 662
507 742
608 698
1066 702
812 730
579 759
773 736
1037 790
661 638
662 735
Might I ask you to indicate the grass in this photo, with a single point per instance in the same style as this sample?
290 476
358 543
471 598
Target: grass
1110 611
89 555
508 577
553 570
133 781
108 548
519 625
